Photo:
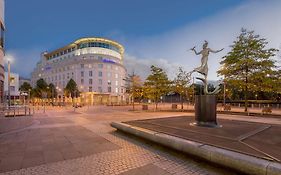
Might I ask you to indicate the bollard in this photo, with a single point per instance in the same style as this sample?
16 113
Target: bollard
25 110
29 111
14 112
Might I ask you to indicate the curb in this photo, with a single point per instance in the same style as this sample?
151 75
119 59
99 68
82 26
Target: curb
230 159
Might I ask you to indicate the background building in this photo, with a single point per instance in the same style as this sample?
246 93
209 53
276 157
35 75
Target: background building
14 86
2 70
95 64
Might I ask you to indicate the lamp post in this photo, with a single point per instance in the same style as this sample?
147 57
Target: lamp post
9 84
224 93
29 90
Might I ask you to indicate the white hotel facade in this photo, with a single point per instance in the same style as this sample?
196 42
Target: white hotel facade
95 64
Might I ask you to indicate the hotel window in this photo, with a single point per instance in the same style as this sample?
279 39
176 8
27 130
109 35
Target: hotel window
116 75
99 89
90 88
109 66
90 81
100 81
108 82
116 90
109 74
116 83
100 73
99 58
90 73
100 65
82 74
116 68
82 65
82 81
108 89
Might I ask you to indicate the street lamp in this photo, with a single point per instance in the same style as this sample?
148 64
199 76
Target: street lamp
9 84
224 93
9 59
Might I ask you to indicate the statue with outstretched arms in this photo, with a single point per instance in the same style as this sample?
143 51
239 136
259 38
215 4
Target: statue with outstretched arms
203 68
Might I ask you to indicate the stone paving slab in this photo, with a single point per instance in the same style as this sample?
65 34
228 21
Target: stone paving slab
34 147
149 169
256 139
8 124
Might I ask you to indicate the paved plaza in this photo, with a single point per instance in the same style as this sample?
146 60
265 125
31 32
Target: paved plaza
64 141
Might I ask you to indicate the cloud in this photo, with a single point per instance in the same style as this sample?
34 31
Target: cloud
142 66
24 61
171 49
220 30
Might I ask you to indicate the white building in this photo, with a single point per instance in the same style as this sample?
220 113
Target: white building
95 64
14 85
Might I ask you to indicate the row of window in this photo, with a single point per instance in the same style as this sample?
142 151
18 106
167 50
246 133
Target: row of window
99 82
61 53
109 74
84 58
99 44
100 66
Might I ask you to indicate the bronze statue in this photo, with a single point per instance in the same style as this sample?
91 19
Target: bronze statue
203 68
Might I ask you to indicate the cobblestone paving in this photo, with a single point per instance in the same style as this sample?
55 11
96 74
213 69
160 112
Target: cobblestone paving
134 154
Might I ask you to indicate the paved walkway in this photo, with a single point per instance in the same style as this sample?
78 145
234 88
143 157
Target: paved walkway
64 141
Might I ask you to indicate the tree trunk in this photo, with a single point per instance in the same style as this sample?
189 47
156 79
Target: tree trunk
133 99
246 91
181 102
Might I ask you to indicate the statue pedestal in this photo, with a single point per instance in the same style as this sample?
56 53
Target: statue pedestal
205 111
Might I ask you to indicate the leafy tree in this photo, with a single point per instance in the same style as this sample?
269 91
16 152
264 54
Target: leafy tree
25 87
248 64
52 91
180 84
71 89
156 84
41 88
134 87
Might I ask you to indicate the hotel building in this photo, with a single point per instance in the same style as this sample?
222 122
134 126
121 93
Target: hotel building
95 64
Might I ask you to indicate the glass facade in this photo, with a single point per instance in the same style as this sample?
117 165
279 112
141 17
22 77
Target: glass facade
99 44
